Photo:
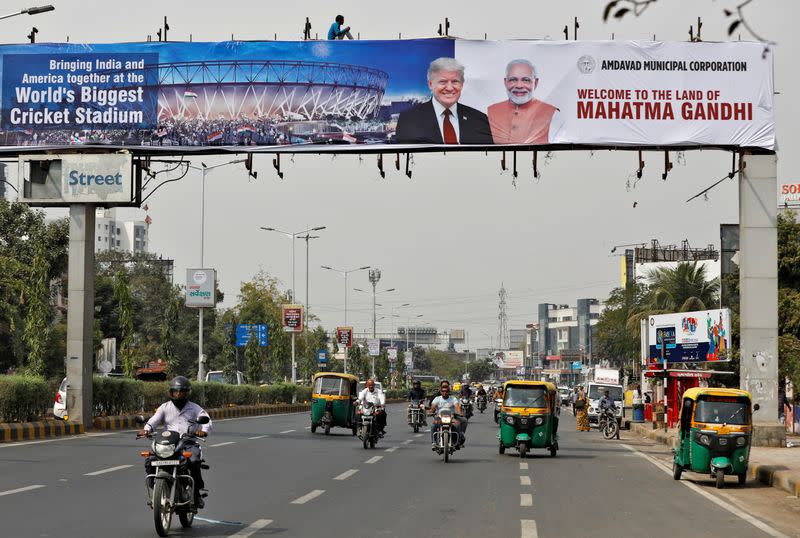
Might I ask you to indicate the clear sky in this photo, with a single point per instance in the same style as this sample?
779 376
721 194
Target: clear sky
449 236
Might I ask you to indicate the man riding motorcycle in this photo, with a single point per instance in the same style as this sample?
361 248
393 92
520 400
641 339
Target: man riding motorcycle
177 415
607 404
376 397
417 393
447 401
481 396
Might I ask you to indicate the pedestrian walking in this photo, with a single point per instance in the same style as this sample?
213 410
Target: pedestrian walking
582 411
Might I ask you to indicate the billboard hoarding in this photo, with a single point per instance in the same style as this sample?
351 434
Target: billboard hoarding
292 315
201 288
701 336
508 358
334 96
374 346
344 336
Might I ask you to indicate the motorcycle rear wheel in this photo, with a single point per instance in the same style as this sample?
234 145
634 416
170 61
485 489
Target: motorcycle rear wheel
162 516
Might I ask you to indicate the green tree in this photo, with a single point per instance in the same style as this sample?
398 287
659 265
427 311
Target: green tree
617 330
122 294
254 359
168 334
445 365
481 369
39 312
684 288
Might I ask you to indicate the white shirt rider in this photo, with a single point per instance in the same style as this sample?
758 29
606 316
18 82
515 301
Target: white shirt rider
375 397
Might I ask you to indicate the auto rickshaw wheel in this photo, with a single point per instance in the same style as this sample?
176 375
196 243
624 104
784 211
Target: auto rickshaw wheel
677 470
313 427
553 451
502 448
355 429
720 479
327 429
742 478
523 449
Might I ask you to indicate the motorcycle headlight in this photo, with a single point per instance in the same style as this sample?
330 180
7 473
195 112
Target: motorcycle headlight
705 440
510 420
446 420
164 451
538 421
741 440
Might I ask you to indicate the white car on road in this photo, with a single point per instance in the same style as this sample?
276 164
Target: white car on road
60 405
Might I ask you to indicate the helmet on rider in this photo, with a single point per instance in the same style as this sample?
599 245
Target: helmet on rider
179 390
416 384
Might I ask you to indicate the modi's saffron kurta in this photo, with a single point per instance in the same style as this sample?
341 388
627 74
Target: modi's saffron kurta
521 124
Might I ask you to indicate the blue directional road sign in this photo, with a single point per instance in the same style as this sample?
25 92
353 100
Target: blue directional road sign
576 365
243 331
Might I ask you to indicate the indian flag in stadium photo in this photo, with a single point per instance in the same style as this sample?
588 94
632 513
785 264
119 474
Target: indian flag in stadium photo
246 128
213 137
188 94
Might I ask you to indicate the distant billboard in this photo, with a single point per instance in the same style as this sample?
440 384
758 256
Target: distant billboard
457 336
508 358
702 336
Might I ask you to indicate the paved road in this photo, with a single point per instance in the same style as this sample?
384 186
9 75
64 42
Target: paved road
270 475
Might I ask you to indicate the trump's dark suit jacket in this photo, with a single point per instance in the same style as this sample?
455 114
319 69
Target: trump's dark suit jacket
419 126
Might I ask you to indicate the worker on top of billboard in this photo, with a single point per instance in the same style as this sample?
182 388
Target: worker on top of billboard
443 120
521 119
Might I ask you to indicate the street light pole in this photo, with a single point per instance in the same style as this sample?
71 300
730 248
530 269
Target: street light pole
345 272
30 11
204 170
306 238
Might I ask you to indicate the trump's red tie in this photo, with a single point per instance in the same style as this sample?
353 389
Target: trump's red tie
449 131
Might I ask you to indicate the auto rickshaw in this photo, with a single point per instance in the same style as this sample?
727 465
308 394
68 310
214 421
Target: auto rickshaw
333 397
528 417
716 428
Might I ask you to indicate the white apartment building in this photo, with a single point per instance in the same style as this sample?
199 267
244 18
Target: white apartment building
120 235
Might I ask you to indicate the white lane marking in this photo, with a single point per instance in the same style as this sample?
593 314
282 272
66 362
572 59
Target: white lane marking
524 480
257 437
20 490
418 435
525 499
288 431
252 529
109 470
757 523
523 466
222 444
309 496
374 459
391 449
407 441
347 474
529 529
307 428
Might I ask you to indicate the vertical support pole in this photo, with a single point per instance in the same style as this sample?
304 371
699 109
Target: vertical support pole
201 374
80 313
758 282
294 363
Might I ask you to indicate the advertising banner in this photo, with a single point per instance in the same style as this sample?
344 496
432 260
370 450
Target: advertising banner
702 336
344 336
292 315
391 354
508 358
335 96
201 288
374 346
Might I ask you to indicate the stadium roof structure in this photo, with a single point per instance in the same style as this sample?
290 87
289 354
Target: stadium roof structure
234 89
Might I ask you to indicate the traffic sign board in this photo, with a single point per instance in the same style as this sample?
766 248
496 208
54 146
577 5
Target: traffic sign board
322 356
244 330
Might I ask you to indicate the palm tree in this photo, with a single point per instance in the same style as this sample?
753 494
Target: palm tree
682 289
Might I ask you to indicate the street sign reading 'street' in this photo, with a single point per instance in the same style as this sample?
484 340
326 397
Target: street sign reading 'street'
292 315
201 288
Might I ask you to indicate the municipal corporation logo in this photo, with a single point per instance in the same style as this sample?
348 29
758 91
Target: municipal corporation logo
586 64
199 277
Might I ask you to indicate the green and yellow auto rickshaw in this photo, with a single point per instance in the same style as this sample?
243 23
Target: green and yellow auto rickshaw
716 428
528 417
333 397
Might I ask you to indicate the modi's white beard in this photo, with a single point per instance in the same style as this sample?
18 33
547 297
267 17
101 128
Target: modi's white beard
519 99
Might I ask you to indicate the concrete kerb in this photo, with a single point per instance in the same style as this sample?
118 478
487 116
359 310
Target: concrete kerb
778 476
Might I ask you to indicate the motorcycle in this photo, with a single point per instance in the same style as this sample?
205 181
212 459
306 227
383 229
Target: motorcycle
466 406
607 424
481 404
173 485
446 439
368 429
416 414
498 403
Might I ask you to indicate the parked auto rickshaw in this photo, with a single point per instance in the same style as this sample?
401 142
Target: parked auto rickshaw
528 417
715 431
333 397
